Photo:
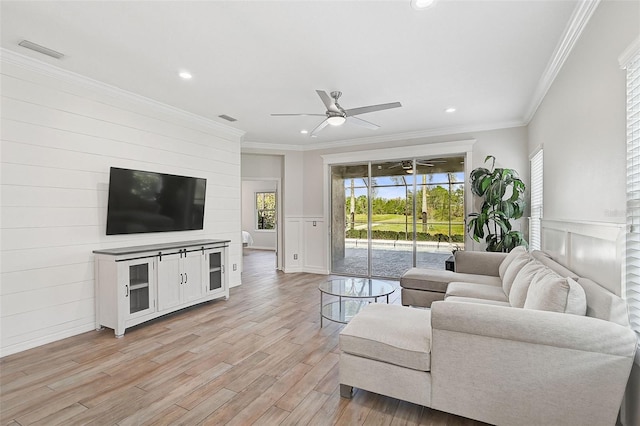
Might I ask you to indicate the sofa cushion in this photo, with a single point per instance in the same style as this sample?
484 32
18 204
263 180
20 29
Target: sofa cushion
510 257
523 279
550 292
437 280
478 291
478 262
475 300
510 273
390 333
548 261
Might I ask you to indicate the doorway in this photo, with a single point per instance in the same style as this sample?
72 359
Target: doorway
388 216
261 214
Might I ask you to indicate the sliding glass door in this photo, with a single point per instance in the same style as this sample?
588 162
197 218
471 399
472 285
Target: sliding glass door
391 220
389 216
349 220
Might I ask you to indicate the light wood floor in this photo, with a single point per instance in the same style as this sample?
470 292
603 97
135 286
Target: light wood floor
258 358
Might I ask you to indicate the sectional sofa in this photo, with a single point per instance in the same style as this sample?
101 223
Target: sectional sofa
512 339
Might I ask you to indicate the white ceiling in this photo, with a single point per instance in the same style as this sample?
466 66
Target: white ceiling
250 59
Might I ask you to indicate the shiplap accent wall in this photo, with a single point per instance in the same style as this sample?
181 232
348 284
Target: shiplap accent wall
60 134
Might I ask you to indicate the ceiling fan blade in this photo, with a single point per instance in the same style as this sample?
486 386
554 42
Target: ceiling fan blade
372 108
328 102
319 127
363 123
292 115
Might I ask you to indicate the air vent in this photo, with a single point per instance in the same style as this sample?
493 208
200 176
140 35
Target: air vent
41 49
226 117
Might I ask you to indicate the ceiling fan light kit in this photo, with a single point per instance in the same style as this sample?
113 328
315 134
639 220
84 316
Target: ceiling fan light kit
336 120
422 4
337 116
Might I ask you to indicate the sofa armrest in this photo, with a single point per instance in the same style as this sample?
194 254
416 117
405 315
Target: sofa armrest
515 366
478 262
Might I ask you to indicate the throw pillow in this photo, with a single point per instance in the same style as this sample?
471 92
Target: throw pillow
550 292
510 257
519 261
520 287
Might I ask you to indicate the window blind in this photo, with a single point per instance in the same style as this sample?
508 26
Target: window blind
632 256
535 228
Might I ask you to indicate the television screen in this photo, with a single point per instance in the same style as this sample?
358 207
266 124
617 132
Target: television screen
142 202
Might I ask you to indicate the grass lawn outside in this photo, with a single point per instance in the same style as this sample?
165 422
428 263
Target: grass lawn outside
396 222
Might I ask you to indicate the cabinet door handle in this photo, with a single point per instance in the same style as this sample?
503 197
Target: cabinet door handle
186 278
127 287
181 279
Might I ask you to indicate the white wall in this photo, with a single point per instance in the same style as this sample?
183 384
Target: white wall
582 125
261 166
582 122
60 134
262 239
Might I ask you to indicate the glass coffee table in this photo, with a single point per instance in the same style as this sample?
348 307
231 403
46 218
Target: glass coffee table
352 294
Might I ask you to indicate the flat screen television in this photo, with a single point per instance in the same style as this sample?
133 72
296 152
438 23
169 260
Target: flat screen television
141 202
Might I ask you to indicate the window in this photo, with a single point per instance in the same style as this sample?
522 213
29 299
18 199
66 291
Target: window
535 229
632 256
265 210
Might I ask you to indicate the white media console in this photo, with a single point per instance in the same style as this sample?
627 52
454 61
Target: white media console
137 284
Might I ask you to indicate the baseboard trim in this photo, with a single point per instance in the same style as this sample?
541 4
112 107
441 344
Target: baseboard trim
315 270
34 343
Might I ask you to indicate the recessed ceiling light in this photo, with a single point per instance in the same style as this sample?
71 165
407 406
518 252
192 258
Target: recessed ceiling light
422 4
304 132
185 75
450 109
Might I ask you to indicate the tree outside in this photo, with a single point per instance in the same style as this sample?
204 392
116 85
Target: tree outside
439 208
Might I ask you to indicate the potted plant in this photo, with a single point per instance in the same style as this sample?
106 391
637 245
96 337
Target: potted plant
502 194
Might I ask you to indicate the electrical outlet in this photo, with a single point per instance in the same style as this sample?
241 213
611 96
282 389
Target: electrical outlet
235 267
295 257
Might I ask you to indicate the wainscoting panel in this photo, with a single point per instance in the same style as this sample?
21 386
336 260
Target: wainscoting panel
591 250
555 243
315 245
292 258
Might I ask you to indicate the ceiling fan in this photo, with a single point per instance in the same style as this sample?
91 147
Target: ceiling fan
337 116
407 165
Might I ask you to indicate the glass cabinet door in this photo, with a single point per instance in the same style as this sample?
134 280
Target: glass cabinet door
138 289
216 270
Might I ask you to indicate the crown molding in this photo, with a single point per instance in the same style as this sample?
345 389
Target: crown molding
579 19
49 70
443 131
397 153
254 147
